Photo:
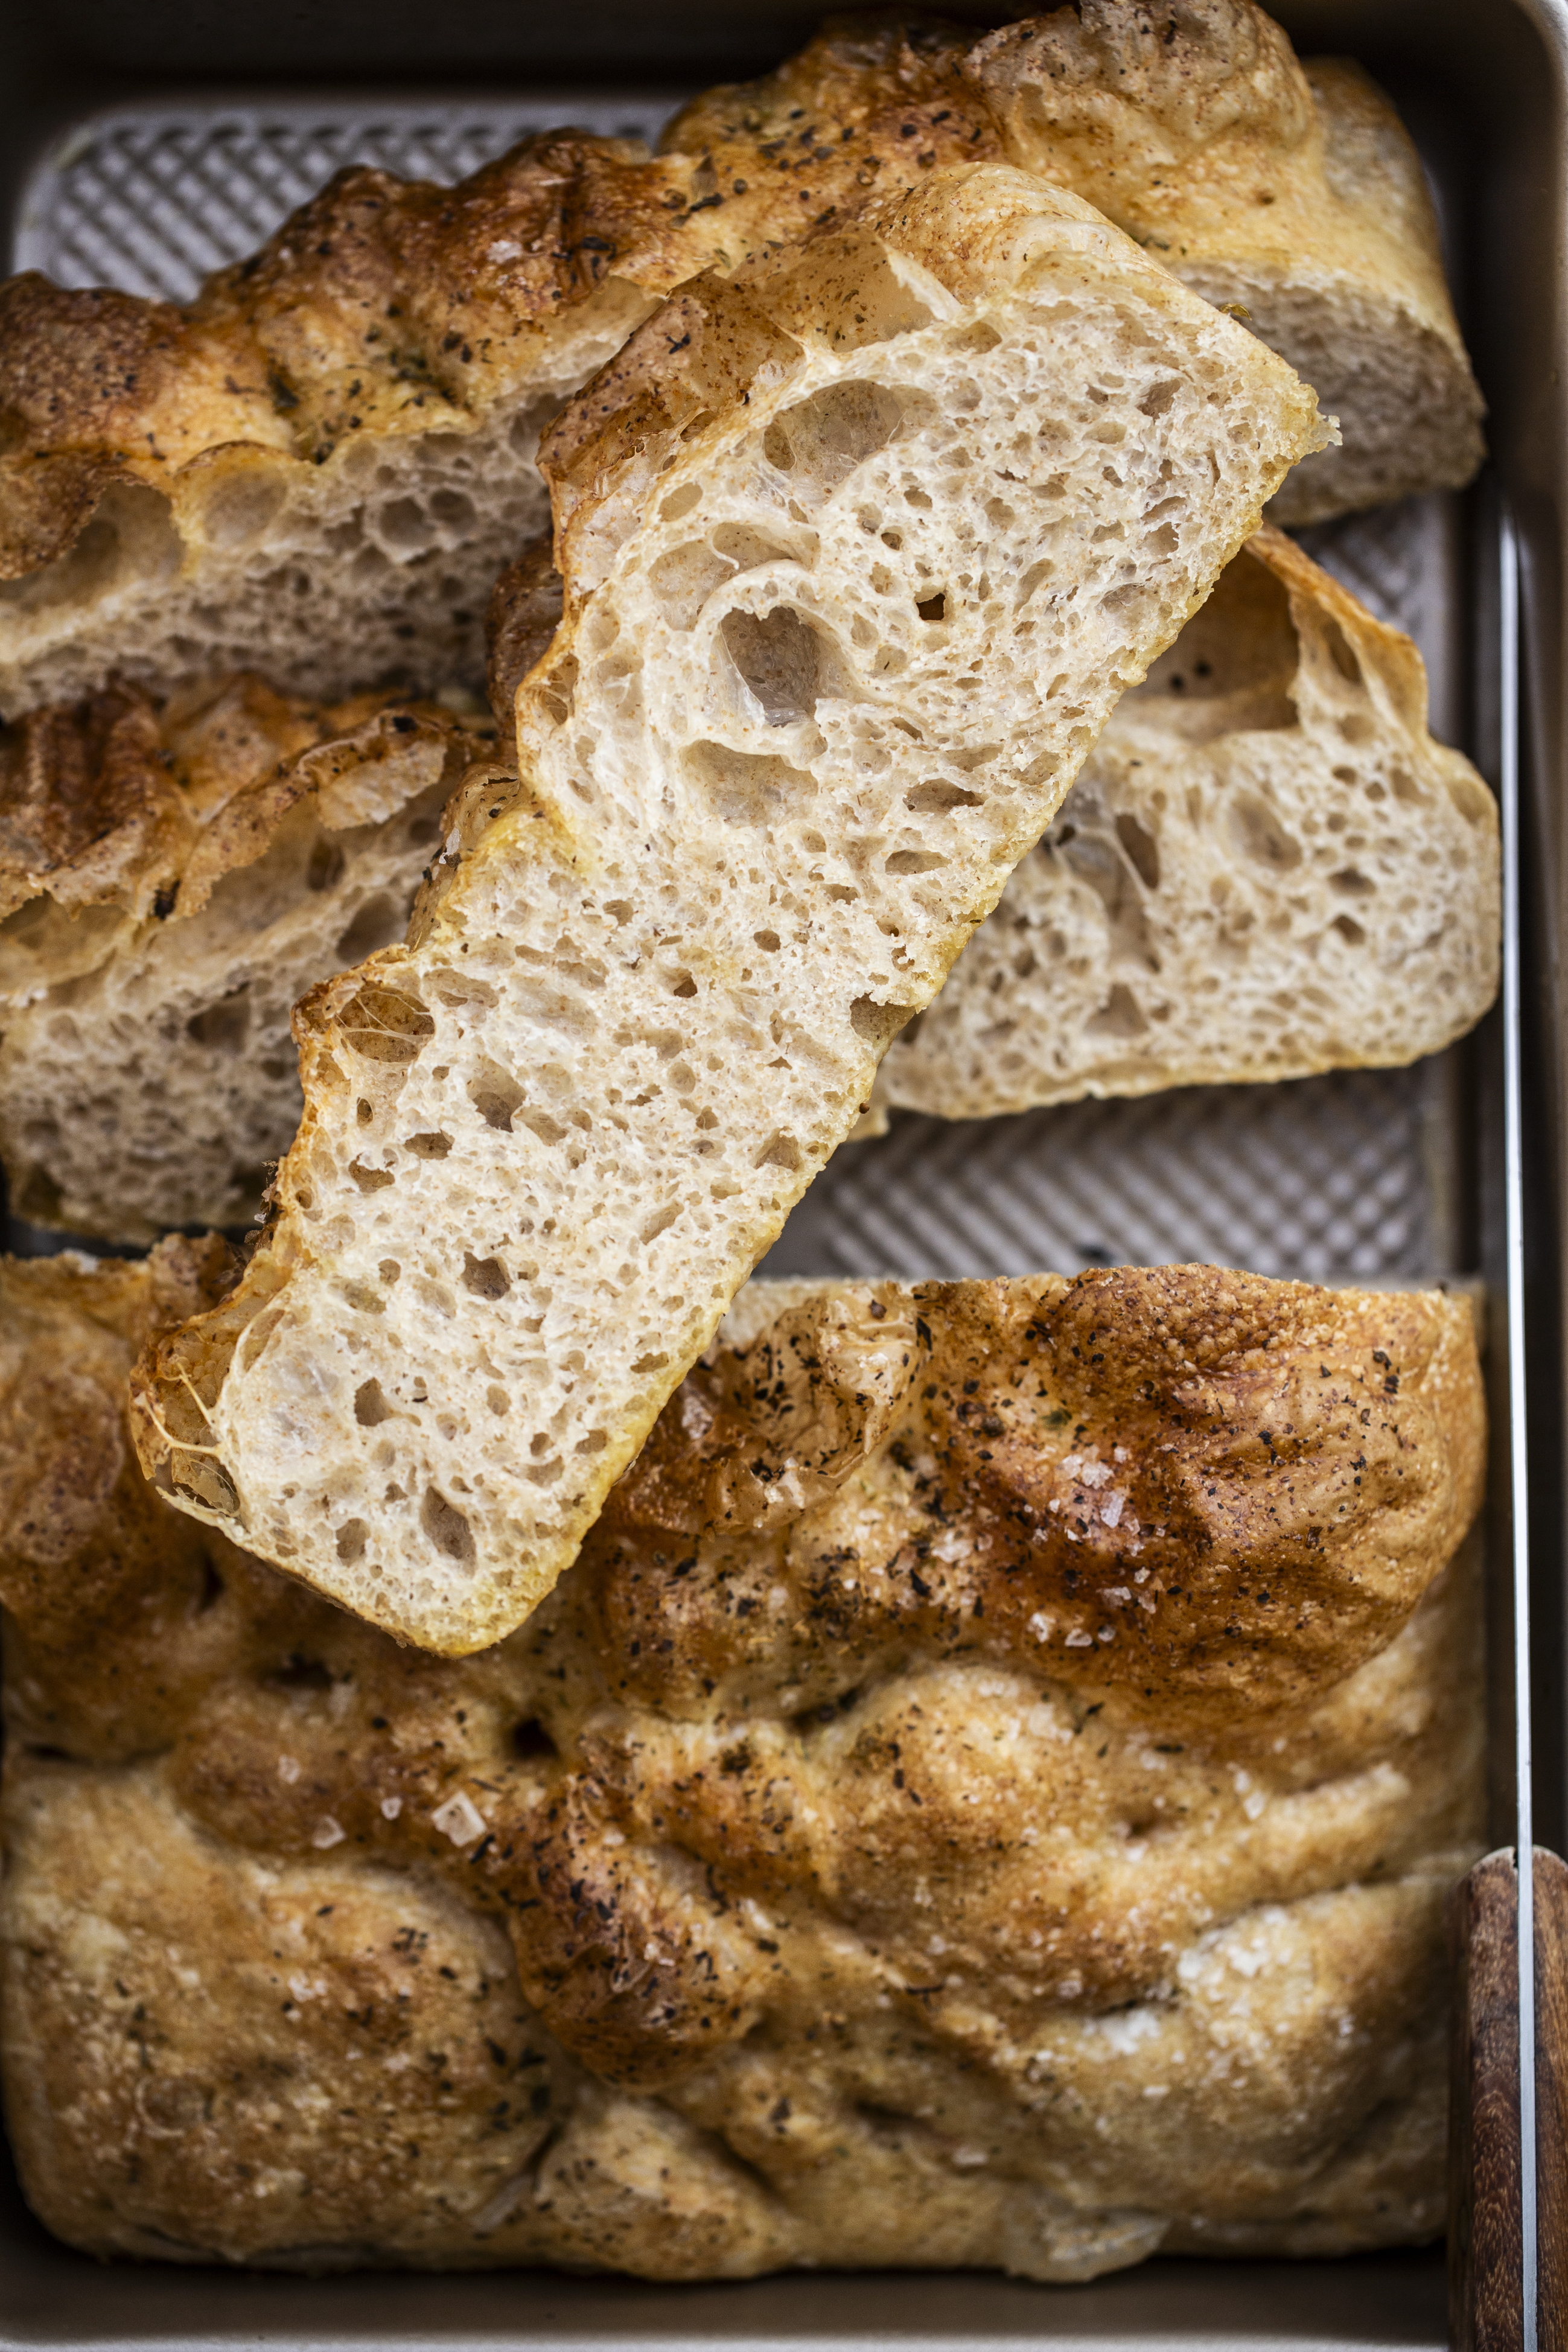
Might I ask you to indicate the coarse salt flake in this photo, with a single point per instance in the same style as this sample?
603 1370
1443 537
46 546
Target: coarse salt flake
459 1819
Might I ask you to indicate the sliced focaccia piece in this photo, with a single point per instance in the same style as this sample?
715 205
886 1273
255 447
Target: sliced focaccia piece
319 466
1266 867
1290 191
172 877
1068 1689
856 555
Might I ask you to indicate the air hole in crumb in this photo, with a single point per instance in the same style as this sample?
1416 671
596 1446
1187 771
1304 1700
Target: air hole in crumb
364 1112
221 1027
824 438
325 869
378 922
430 1147
932 608
1121 1015
447 1527
351 1538
935 797
1340 651
879 1024
497 1400
913 861
301 1674
1258 832
779 656
779 1150
531 1742
1349 929
495 1096
1142 850
485 1277
385 1024
370 1407
684 985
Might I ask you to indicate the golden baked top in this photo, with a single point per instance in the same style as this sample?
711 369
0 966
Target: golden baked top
389 306
984 1795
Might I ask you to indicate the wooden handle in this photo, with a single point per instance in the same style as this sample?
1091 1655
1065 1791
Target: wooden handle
1486 2265
1552 2097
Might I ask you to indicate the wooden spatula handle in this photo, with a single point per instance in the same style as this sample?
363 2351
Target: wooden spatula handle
1486 2251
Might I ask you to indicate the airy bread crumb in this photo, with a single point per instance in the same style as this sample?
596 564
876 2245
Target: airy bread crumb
1266 867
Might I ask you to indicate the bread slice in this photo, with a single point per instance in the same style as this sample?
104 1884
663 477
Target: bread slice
171 879
857 548
1266 867
1293 193
320 466
1068 1688
1290 192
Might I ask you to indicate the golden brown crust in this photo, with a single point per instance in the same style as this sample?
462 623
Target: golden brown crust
386 306
125 801
524 615
830 1881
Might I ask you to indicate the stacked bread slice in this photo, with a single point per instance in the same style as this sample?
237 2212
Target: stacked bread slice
345 423
287 473
1266 867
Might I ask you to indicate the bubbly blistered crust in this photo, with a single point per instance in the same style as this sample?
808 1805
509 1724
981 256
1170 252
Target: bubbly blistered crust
386 306
857 1860
130 801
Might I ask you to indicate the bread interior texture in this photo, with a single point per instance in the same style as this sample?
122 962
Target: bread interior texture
1266 867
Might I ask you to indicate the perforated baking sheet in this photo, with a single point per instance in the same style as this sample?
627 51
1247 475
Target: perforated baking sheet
1351 1174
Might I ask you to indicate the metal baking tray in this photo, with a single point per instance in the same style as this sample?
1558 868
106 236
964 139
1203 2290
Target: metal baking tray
139 151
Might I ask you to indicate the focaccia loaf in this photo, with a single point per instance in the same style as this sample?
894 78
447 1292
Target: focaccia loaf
1266 867
1291 192
857 548
172 877
320 465
985 1796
